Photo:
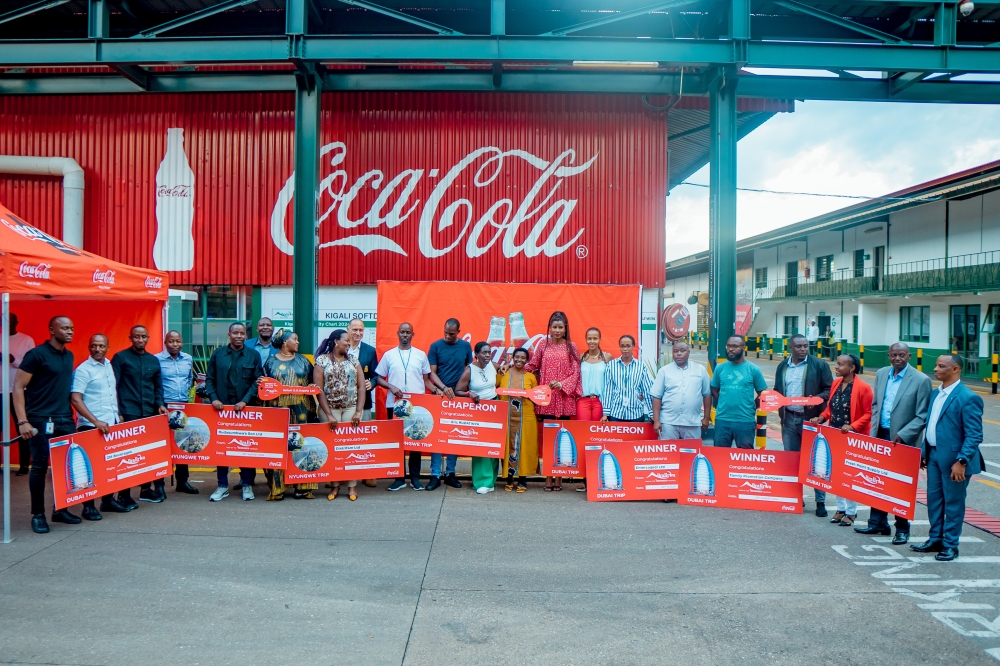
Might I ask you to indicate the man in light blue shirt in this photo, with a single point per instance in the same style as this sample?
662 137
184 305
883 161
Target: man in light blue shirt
892 384
682 397
262 343
94 396
177 376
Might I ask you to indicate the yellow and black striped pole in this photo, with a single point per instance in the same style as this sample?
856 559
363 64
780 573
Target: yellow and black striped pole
770 349
784 346
758 346
861 357
819 349
760 441
840 348
920 359
993 379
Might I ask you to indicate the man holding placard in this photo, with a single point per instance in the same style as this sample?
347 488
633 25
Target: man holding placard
735 386
899 414
951 455
802 375
682 397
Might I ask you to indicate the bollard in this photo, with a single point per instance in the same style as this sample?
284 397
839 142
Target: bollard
819 349
840 348
993 379
770 349
784 347
758 346
920 359
861 357
761 440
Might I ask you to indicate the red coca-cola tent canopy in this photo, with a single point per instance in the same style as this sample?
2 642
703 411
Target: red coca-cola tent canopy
42 277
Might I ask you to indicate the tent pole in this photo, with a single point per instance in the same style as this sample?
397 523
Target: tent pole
5 383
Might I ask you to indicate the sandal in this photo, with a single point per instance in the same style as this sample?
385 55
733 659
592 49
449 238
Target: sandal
509 487
548 485
837 516
582 488
352 494
332 496
521 488
847 521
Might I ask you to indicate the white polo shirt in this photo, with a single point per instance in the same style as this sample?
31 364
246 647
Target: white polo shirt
404 369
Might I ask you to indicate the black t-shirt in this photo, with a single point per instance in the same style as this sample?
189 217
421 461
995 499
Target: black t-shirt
47 394
450 360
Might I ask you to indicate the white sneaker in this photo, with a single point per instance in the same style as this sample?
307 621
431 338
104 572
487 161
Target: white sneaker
483 491
247 493
221 493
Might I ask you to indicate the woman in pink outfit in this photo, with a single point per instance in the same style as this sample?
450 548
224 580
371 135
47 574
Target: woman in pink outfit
556 363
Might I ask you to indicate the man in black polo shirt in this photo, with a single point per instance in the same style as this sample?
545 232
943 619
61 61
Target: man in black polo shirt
41 401
140 395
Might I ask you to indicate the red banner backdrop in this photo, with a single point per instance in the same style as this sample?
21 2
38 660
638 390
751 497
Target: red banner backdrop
87 465
524 309
860 468
565 443
635 470
371 450
460 426
759 480
255 436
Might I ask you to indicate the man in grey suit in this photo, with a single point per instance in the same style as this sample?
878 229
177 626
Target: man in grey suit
899 414
951 455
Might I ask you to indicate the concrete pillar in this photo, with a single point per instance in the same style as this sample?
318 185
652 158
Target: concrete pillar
308 92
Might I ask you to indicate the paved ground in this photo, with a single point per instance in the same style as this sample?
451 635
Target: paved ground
456 578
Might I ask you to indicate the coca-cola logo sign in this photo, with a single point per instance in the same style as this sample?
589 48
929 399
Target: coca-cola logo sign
153 282
34 271
527 220
174 191
104 276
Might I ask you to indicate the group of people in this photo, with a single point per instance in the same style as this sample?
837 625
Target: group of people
592 385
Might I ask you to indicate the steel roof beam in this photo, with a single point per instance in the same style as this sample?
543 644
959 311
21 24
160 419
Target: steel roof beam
904 80
837 20
31 9
614 18
385 11
192 17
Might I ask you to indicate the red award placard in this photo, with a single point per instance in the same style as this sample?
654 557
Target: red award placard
87 465
564 443
254 436
861 468
458 426
754 479
370 450
634 470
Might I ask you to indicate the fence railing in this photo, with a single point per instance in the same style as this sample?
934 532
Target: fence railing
967 272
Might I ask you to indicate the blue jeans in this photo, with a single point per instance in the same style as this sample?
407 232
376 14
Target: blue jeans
247 475
436 464
791 440
727 431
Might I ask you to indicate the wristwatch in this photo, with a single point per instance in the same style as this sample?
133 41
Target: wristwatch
963 461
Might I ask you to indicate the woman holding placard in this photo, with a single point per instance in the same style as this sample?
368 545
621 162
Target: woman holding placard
850 409
521 456
340 376
479 382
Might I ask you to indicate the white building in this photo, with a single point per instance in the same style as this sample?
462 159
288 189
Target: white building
921 265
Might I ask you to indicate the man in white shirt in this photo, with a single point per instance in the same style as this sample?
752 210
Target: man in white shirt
94 396
682 397
20 344
812 335
404 370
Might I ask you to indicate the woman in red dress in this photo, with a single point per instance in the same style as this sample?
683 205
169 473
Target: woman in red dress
556 363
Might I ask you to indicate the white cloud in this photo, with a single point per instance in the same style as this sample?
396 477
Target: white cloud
867 149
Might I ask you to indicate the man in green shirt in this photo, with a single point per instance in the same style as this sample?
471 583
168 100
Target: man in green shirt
735 387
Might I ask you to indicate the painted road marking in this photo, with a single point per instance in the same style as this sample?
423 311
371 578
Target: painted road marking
964 539
958 582
962 559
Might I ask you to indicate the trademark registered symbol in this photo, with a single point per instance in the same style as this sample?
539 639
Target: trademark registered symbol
581 251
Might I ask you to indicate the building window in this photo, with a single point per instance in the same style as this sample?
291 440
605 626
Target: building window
859 263
791 325
760 278
915 324
854 330
824 268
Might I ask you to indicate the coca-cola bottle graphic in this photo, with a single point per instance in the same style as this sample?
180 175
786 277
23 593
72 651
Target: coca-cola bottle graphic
518 333
497 339
173 249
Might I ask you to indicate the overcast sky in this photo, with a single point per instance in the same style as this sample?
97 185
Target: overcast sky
836 148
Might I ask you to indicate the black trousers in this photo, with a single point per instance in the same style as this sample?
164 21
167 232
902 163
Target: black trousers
39 446
104 498
23 448
414 460
159 483
878 517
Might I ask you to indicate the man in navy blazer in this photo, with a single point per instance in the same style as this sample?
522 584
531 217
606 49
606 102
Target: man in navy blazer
951 455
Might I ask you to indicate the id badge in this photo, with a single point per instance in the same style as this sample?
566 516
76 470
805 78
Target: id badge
50 427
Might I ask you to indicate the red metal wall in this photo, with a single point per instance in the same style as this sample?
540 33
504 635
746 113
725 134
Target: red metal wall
239 147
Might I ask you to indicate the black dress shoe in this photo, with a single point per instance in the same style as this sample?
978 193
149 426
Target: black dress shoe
91 513
161 492
946 555
883 531
150 495
928 547
187 489
900 538
452 482
127 502
38 524
64 516
113 506
821 510
23 471
433 484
